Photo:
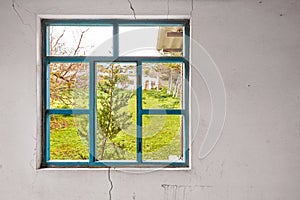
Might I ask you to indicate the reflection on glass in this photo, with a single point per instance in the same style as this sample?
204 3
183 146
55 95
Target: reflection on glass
80 40
69 137
162 85
151 41
69 85
116 111
162 137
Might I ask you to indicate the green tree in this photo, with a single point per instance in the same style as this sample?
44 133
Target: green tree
112 117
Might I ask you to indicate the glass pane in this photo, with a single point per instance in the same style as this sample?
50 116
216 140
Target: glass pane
162 85
69 137
162 137
116 111
80 40
69 85
151 40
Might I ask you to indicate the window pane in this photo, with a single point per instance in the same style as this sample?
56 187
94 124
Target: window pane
162 85
151 40
116 111
69 85
69 137
162 137
80 40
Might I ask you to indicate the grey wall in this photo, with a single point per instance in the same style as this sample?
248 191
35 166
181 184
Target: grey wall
256 46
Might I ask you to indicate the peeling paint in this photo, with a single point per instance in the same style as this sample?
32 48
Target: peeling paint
180 192
133 196
256 125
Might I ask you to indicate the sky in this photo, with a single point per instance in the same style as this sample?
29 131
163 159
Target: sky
97 41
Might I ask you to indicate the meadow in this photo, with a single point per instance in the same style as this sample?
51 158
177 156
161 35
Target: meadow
161 133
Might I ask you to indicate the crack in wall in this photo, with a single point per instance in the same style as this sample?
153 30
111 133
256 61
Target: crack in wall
222 166
192 8
168 9
14 5
111 184
186 186
17 12
131 7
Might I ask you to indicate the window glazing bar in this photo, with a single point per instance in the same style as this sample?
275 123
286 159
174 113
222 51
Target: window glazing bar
139 141
92 113
109 22
162 112
68 111
161 59
115 41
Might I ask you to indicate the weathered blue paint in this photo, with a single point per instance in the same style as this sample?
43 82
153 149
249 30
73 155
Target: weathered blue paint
92 112
74 59
139 138
115 41
186 142
47 138
162 111
110 22
67 111
107 163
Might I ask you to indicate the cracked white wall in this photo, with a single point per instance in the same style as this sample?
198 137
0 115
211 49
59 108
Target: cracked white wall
256 46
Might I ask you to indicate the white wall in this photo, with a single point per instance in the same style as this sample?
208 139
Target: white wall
257 157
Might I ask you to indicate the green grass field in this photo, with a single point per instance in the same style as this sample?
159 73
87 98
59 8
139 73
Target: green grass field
161 133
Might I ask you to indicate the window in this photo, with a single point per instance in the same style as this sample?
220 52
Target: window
115 93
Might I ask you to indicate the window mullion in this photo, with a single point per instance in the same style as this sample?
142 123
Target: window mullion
47 139
46 73
139 113
185 132
115 40
92 113
67 111
186 42
47 106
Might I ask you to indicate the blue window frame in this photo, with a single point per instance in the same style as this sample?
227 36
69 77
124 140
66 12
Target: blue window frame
88 74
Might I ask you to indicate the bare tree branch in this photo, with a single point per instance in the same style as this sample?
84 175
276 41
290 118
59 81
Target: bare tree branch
54 46
79 42
68 69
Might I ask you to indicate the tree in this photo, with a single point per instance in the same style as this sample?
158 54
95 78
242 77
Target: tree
111 116
69 81
174 73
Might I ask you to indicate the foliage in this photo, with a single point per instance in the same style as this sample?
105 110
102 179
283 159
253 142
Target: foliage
69 85
116 111
64 141
160 99
161 135
111 118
